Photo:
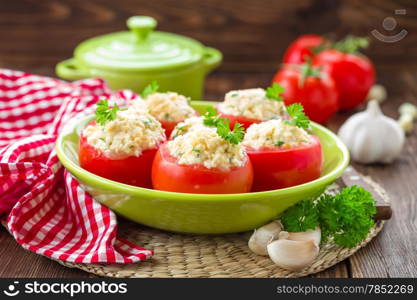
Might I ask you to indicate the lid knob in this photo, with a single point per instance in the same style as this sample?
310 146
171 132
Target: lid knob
141 26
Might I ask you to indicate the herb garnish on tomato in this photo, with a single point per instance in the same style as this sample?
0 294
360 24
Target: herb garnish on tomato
298 117
104 113
274 92
151 88
212 119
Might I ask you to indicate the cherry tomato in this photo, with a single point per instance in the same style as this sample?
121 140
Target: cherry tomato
133 170
276 168
317 93
168 175
353 75
245 122
301 48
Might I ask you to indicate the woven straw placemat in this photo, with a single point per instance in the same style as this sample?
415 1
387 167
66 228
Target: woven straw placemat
179 255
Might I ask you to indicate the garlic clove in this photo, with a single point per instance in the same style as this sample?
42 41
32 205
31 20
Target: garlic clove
293 255
262 236
309 235
408 109
283 235
377 92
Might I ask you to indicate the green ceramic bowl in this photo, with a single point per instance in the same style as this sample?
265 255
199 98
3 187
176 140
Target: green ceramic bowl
201 213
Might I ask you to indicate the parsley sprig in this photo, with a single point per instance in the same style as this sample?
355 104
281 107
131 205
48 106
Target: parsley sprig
347 217
104 113
274 91
151 88
212 119
298 117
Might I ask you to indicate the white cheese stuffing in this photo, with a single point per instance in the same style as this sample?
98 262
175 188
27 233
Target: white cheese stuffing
128 135
187 125
139 105
169 106
275 133
205 147
253 104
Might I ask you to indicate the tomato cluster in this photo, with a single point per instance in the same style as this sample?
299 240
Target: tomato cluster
325 77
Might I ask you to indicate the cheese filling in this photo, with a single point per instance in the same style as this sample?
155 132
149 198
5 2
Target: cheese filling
128 135
275 133
253 104
205 147
169 106
187 125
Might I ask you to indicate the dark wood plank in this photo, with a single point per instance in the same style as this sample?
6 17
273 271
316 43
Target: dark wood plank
17 262
252 34
338 271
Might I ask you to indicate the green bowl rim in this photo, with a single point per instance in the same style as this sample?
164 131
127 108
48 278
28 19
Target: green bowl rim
125 188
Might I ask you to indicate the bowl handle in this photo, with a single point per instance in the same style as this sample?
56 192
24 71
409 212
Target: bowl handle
68 69
212 59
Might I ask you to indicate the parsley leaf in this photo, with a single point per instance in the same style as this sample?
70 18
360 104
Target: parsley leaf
273 92
298 117
234 136
212 119
279 143
347 217
301 217
151 88
104 113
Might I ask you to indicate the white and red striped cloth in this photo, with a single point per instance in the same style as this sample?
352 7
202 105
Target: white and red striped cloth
48 212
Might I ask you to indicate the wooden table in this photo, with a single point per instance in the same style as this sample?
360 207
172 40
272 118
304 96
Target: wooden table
250 59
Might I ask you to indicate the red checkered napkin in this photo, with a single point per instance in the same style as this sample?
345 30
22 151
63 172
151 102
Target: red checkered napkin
48 212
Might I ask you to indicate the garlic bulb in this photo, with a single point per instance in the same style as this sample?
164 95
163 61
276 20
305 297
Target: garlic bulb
293 255
372 137
262 236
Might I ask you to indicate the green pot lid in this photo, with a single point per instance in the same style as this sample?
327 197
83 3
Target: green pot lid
140 49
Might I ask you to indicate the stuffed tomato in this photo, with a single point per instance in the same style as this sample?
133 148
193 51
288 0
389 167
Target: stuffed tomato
169 109
122 146
251 106
201 161
282 155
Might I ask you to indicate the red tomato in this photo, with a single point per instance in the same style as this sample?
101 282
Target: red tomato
133 170
168 126
276 168
353 75
318 95
301 48
168 175
245 122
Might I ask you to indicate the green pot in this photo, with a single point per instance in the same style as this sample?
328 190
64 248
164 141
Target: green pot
200 213
132 59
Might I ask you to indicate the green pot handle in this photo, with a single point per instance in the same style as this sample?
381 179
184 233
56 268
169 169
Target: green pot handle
69 70
212 59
